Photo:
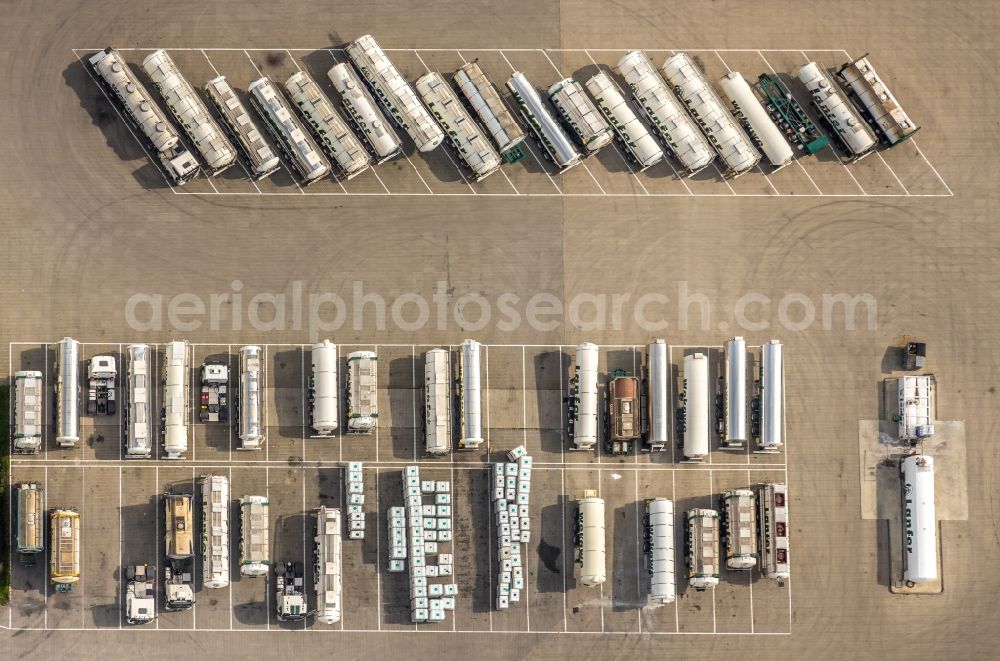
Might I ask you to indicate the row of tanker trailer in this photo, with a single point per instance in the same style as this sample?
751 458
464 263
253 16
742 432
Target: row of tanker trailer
637 408
686 118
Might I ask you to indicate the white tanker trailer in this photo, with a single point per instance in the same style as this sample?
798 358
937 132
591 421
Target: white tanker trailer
143 115
876 101
736 430
591 539
287 131
920 563
772 397
670 120
394 92
190 112
242 129
657 374
723 132
746 107
323 390
484 101
371 124
578 113
639 144
837 111
471 396
550 135
583 399
696 405
67 393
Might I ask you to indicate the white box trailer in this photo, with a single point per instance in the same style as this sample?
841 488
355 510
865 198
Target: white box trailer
255 557
324 400
583 398
696 407
920 563
657 375
485 103
470 397
915 397
394 92
174 418
557 146
215 530
327 126
702 548
747 109
138 439
660 550
772 522
590 526
362 392
734 148
876 101
739 523
437 402
736 428
464 136
676 129
327 565
640 147
242 129
67 393
28 424
250 420
580 115
772 397
190 112
837 111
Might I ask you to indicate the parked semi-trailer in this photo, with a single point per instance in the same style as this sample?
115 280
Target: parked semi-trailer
395 94
261 159
772 526
581 116
659 547
736 428
178 579
920 563
747 109
214 530
470 397
67 393
27 438
289 134
173 418
362 392
327 126
657 403
837 111
437 402
676 129
772 397
696 407
324 402
327 565
250 424
143 116
29 527
485 103
739 525
791 119
138 427
365 114
624 415
464 136
639 145
557 146
734 148
64 548
214 405
702 548
102 391
877 102
590 535
190 112
583 398
255 557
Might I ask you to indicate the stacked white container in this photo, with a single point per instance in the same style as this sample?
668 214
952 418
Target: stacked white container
511 491
356 498
429 528
397 539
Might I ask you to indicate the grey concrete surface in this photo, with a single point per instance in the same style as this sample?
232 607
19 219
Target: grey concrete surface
89 224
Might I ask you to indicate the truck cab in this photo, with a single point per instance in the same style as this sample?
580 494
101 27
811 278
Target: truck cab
214 405
101 374
290 602
140 602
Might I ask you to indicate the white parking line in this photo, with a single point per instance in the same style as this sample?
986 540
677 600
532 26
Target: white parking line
156 546
121 545
527 143
413 383
673 499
